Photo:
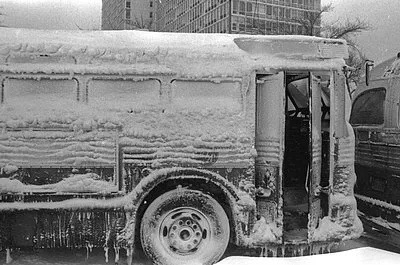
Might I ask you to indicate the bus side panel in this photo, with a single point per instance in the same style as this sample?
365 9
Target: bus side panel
202 125
269 144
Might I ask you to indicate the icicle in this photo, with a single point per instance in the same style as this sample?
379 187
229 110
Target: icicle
330 246
8 256
312 249
262 252
283 251
129 255
53 237
274 252
106 253
116 248
302 250
59 230
87 251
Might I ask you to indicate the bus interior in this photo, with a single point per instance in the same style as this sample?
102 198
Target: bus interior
298 195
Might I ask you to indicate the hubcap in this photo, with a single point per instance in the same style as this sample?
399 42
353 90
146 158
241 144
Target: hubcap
184 230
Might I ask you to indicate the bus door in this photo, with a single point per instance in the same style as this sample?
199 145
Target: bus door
270 118
315 159
304 149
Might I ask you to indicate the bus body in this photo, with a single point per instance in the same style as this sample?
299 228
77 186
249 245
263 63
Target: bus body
175 143
375 118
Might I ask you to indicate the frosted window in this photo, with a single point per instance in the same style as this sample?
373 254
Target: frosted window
123 95
207 95
32 94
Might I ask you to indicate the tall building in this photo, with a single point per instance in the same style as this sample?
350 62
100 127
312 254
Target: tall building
128 14
214 16
238 16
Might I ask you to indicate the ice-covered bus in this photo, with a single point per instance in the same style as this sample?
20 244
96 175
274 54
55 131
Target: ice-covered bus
375 118
177 144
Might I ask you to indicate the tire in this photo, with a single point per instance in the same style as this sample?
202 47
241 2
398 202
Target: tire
184 227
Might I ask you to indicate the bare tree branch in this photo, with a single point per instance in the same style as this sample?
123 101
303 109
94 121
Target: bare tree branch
312 19
140 23
346 30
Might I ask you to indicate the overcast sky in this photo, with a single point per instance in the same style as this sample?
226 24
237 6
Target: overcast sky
381 43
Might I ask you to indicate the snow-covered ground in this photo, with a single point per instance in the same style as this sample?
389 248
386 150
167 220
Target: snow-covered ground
364 251
358 256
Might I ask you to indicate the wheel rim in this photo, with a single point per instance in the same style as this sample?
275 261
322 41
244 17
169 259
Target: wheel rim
184 230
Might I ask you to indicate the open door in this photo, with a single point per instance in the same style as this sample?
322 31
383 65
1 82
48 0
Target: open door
306 157
296 160
315 145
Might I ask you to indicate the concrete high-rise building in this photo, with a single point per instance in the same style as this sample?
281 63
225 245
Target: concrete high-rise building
238 16
128 14
214 16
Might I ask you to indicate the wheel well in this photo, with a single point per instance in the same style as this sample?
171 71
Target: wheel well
200 184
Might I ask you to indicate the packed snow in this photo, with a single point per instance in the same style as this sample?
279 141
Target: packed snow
184 54
358 256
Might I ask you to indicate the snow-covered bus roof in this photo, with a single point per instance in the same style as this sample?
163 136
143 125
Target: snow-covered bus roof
182 54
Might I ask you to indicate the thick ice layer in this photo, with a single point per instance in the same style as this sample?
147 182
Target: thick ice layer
263 233
79 183
343 222
184 54
202 118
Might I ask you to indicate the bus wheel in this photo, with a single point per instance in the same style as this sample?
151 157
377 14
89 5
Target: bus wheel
184 227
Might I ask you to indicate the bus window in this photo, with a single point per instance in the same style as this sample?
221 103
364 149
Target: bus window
30 94
123 95
368 107
207 95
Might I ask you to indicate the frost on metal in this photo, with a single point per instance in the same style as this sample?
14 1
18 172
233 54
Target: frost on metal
393 69
342 223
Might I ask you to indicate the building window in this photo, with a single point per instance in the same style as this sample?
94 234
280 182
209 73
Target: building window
128 4
288 13
269 10
242 8
249 7
151 3
151 15
274 27
235 5
281 12
128 14
276 11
